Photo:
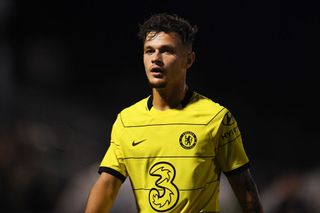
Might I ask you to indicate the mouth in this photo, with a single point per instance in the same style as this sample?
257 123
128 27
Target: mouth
157 72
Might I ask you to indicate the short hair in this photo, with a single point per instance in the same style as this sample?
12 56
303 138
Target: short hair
164 22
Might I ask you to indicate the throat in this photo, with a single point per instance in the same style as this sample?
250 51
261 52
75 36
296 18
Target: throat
164 100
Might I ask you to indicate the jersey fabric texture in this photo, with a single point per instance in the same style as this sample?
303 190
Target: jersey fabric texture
174 158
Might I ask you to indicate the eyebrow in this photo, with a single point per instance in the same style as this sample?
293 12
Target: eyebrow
161 47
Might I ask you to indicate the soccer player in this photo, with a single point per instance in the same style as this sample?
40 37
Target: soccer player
174 144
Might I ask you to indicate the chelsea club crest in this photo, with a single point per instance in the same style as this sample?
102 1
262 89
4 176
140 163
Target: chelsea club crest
188 140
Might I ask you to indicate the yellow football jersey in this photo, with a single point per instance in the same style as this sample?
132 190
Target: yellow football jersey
174 157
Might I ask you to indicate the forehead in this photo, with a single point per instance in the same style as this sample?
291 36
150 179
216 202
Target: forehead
162 38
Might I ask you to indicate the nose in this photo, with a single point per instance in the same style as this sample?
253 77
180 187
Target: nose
156 58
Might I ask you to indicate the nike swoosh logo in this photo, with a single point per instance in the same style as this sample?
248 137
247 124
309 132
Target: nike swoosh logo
134 143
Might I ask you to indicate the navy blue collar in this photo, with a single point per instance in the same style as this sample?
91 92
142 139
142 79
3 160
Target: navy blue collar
183 103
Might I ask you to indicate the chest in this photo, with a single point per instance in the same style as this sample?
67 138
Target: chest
169 140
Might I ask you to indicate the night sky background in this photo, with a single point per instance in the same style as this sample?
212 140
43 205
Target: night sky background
71 66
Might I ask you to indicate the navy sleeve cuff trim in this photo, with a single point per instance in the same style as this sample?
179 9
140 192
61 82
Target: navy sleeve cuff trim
237 170
112 172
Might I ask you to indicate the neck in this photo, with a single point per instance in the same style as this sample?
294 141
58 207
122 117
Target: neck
166 98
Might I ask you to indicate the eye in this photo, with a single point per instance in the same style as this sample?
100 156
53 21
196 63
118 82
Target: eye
168 50
148 51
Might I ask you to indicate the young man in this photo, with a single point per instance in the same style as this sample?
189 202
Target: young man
174 144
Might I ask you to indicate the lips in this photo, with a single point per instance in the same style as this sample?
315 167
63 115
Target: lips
157 72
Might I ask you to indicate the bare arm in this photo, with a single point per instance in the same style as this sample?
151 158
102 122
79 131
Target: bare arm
103 194
246 192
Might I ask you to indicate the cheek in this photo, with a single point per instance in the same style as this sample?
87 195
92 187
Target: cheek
179 61
145 62
179 64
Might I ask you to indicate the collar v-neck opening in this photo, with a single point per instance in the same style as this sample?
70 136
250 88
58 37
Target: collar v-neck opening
183 103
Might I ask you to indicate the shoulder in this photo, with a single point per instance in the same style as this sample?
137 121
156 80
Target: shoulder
141 105
205 105
135 112
204 101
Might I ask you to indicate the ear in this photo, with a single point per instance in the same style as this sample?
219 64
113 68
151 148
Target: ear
190 59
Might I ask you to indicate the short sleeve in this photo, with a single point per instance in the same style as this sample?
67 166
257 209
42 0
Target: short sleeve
113 160
230 151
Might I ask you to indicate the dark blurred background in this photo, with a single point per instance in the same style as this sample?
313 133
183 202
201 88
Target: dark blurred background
68 67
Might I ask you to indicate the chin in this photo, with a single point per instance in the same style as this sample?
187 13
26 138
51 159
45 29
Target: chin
158 85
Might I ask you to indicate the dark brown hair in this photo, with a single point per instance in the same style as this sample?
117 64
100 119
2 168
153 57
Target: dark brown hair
163 22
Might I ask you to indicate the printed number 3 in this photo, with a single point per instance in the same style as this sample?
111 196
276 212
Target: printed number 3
166 195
